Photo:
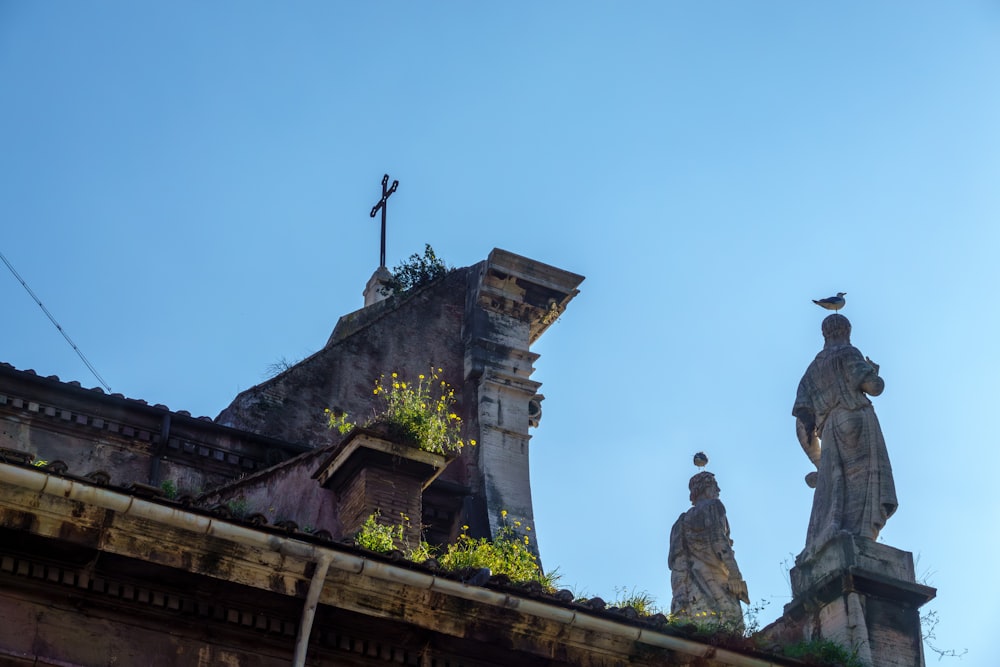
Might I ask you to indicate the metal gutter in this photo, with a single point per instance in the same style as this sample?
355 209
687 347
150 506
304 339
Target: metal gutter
309 610
43 482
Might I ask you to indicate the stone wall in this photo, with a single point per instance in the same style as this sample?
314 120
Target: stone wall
477 324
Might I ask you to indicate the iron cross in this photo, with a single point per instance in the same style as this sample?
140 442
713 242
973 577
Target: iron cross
381 205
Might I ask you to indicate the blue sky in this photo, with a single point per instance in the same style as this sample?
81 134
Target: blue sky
186 186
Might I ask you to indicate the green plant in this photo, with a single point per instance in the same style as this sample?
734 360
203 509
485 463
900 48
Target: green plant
751 617
705 623
169 488
239 508
421 413
421 552
824 653
641 601
276 368
507 554
416 271
379 537
928 623
338 420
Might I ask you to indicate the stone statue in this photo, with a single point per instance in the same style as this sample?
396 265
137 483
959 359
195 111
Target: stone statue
837 427
703 571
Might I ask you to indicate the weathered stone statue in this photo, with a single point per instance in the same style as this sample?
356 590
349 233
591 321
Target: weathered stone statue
703 570
838 429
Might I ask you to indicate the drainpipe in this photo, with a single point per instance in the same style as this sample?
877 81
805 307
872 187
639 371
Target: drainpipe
309 610
157 452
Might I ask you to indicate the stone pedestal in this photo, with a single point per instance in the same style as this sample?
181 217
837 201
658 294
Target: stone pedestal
861 595
369 474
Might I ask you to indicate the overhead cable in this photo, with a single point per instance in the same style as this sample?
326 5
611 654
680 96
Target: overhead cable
53 320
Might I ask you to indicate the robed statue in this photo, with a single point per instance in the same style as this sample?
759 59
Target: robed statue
705 578
839 432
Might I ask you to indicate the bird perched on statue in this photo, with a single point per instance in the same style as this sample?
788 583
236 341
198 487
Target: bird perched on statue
701 459
832 302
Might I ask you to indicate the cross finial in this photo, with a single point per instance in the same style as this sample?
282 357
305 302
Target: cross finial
382 205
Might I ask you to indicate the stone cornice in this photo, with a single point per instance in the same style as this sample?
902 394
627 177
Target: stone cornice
525 290
90 414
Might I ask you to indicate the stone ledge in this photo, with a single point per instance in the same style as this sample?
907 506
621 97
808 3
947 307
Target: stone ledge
364 449
851 553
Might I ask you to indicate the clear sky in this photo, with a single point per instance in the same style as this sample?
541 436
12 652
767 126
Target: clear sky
186 186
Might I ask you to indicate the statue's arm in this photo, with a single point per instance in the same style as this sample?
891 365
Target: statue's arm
873 384
738 587
805 431
866 371
676 550
724 550
808 439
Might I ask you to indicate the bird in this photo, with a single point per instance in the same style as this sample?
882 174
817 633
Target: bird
701 459
832 302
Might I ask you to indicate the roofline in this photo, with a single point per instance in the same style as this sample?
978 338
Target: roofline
41 482
98 395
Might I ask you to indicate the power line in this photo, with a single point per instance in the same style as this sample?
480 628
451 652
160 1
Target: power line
53 320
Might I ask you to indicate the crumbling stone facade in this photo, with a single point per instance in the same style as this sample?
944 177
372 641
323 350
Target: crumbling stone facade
477 324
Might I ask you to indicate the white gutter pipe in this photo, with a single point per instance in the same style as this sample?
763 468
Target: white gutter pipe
42 482
309 610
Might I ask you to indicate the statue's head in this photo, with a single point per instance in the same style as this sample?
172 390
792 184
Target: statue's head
703 485
837 328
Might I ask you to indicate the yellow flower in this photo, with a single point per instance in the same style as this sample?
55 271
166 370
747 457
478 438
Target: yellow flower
503 513
421 376
394 375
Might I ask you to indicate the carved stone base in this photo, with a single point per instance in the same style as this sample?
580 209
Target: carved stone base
860 594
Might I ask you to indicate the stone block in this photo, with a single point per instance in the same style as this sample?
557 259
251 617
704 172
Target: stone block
860 594
848 552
